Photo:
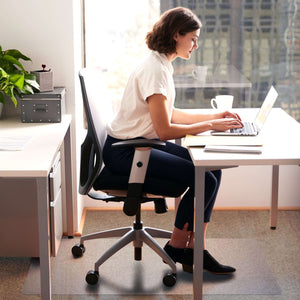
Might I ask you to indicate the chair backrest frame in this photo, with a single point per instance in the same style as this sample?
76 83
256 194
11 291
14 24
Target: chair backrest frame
91 149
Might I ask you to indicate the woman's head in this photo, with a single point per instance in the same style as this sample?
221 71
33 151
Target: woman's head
176 21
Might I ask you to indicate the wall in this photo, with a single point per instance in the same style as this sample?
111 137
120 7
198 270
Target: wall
49 33
250 186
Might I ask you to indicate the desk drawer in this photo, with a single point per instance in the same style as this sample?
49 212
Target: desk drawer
55 178
56 226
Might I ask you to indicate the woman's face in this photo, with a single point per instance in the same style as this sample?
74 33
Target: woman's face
186 44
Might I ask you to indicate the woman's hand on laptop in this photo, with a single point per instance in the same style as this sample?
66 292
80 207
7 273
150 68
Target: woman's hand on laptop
226 123
232 115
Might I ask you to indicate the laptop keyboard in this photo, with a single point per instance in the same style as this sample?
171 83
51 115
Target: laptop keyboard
248 129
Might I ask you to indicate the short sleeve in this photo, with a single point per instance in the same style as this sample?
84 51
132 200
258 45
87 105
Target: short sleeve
152 81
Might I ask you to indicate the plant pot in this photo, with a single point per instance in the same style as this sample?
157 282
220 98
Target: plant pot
1 109
44 79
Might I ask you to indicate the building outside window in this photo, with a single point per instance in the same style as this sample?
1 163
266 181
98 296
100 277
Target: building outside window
260 38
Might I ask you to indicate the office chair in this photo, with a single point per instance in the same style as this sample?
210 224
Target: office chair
99 183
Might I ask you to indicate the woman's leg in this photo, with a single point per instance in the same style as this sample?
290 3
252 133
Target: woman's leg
185 212
173 163
212 185
191 238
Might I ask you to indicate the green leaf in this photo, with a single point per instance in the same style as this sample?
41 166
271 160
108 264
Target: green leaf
17 80
3 73
4 79
30 76
33 83
9 91
16 54
13 61
27 89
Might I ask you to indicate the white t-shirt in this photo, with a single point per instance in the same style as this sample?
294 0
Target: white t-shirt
153 76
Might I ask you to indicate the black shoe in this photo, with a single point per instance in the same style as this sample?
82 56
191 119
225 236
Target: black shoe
213 266
183 256
186 258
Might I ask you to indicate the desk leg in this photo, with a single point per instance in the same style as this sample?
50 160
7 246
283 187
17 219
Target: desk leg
70 198
198 227
274 200
44 237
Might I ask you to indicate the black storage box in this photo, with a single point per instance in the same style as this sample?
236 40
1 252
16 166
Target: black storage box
45 107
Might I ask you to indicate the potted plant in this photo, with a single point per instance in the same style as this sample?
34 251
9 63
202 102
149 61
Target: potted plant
14 79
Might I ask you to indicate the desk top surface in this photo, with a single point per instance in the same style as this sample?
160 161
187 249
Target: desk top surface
36 159
281 144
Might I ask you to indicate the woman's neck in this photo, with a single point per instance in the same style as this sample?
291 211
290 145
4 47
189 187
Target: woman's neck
171 56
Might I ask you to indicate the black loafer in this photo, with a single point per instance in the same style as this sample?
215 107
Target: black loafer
175 253
211 265
183 256
186 258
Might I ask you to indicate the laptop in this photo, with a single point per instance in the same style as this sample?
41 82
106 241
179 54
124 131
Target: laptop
253 128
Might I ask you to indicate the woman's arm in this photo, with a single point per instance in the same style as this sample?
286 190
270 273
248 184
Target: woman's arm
167 129
189 117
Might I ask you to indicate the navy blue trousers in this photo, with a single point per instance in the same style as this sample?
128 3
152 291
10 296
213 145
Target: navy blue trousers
173 163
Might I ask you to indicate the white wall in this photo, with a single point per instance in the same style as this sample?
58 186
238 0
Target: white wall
48 31
250 186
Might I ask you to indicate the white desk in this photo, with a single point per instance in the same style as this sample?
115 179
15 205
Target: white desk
224 76
35 161
281 146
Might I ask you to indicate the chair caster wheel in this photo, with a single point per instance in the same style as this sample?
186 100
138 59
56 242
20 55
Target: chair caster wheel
78 250
92 277
169 279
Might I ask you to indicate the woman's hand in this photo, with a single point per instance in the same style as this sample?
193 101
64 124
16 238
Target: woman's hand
226 123
229 114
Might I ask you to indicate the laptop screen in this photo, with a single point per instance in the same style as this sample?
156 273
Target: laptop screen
266 107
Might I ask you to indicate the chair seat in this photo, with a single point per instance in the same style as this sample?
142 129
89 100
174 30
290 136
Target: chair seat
156 186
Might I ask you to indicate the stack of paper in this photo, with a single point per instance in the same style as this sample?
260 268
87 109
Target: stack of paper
13 143
207 139
234 149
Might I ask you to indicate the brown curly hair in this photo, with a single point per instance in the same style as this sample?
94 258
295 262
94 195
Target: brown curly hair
177 20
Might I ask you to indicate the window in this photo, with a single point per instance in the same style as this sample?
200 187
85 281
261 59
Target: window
260 38
115 38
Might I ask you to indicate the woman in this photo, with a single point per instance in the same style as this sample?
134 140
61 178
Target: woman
147 110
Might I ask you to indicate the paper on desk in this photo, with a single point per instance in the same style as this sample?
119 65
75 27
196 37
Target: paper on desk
13 143
207 139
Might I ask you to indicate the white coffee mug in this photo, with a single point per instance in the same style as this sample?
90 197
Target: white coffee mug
199 73
222 102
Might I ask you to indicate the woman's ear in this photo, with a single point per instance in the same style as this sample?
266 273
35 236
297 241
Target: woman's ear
175 37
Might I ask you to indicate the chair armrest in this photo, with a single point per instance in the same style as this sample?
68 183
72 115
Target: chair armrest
138 171
140 143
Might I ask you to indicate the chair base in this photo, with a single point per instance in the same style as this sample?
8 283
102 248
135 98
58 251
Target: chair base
137 236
